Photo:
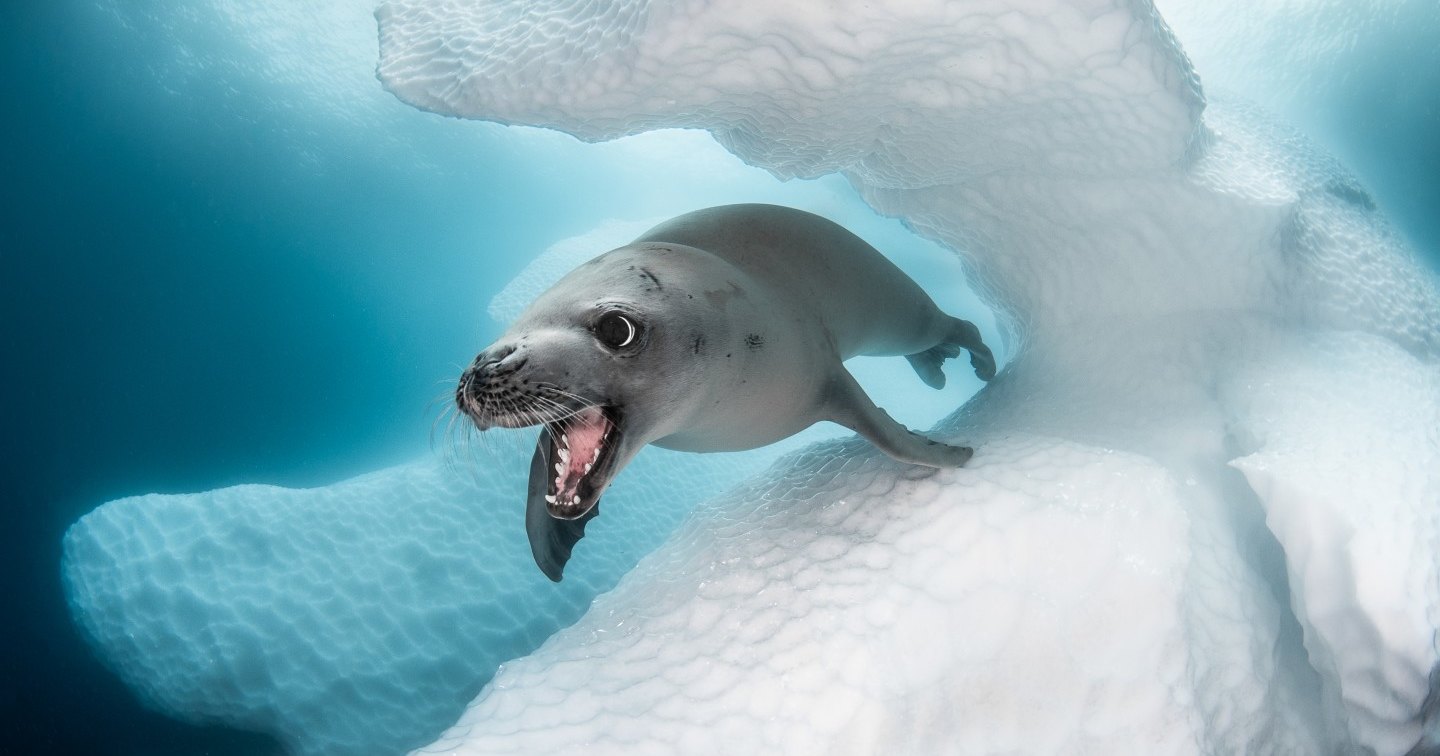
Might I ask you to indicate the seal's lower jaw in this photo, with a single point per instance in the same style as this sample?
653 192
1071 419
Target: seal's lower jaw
580 460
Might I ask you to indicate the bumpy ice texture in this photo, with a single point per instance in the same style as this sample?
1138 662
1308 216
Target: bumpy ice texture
355 618
1202 513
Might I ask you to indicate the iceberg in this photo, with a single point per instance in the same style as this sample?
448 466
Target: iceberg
357 617
1201 515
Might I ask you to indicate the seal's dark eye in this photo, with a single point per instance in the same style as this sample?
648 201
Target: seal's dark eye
616 331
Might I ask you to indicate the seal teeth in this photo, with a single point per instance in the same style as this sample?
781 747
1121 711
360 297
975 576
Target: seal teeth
564 454
588 466
575 499
565 439
559 468
550 498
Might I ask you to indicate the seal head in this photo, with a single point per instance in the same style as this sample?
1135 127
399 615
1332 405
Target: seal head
604 362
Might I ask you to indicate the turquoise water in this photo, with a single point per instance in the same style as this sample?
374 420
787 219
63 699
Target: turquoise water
232 257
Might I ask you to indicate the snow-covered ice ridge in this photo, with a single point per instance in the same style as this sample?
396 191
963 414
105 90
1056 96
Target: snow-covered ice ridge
1202 516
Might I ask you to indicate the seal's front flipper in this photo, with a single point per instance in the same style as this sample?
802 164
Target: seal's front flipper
551 539
848 404
962 335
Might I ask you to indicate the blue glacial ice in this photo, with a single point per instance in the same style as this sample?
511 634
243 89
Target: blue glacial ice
1202 516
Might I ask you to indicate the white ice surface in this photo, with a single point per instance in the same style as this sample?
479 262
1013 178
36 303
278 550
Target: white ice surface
1351 535
1201 514
355 618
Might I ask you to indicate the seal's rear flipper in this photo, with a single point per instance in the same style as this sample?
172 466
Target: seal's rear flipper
962 335
928 362
551 539
848 404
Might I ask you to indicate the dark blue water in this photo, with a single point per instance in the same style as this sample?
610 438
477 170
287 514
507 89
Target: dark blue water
215 271
1382 120
189 302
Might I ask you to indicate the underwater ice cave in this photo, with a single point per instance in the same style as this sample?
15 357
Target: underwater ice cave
1203 515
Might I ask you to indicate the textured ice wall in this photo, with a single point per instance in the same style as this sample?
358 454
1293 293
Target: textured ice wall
1357 547
1202 513
356 618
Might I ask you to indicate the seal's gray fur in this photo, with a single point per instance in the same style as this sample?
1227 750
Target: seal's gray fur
743 316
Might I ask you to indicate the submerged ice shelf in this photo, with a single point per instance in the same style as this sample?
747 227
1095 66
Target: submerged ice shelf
357 617
1203 513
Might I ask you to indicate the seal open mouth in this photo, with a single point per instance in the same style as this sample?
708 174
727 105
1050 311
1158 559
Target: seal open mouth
580 452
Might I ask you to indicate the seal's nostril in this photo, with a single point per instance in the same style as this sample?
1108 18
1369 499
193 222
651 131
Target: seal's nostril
493 361
505 356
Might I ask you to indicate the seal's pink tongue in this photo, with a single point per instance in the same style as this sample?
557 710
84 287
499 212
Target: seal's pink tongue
579 448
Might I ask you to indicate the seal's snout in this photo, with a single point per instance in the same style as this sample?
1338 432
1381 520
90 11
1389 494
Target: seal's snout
496 361
470 398
487 385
